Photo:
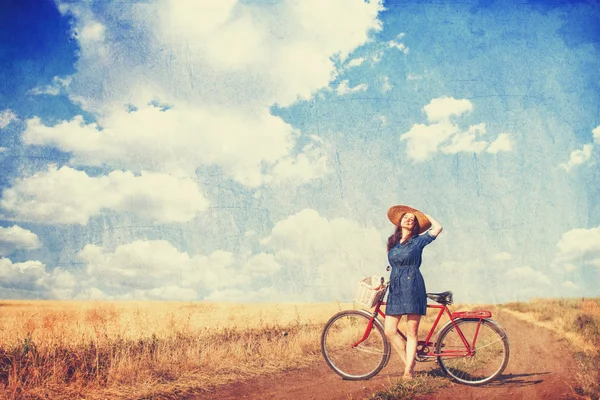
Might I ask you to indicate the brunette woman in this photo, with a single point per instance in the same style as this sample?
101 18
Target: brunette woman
407 294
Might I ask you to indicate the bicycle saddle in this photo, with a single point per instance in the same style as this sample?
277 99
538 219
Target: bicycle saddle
442 298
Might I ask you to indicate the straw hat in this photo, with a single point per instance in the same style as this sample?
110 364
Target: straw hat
395 212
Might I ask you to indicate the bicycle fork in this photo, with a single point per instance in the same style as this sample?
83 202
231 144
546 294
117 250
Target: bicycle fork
368 330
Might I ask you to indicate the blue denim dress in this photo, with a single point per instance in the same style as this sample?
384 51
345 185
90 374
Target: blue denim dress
407 294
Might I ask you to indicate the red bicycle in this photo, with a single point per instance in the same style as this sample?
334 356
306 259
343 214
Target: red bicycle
471 348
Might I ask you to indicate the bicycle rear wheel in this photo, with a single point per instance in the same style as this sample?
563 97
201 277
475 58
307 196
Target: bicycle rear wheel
351 361
488 361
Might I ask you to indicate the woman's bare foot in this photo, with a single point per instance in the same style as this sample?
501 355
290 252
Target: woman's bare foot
409 373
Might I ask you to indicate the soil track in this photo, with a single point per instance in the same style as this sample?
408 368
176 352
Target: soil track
541 366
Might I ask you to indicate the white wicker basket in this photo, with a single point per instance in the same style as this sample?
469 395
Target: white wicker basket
368 291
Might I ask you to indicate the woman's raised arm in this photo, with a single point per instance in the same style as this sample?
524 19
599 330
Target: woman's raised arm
436 227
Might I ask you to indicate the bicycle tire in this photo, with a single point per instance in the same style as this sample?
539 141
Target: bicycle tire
354 363
491 356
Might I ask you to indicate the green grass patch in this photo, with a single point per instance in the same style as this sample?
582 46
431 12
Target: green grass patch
424 383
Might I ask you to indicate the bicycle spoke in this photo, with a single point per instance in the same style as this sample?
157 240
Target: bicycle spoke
369 350
489 344
489 357
344 355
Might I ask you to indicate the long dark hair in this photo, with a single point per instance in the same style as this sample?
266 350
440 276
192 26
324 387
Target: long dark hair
397 235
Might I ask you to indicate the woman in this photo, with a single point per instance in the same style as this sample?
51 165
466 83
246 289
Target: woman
407 295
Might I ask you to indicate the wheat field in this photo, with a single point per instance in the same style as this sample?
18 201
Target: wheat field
129 350
159 350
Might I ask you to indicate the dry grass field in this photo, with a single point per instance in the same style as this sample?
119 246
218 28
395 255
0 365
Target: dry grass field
158 350
578 321
135 350
167 350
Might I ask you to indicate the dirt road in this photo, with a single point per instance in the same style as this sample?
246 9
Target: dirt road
541 366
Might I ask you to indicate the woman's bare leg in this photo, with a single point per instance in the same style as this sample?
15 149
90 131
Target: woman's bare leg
412 333
391 328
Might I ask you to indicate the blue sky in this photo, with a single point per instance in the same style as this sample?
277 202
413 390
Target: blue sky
249 150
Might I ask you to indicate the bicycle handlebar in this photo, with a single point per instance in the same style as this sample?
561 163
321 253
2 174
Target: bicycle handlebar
383 282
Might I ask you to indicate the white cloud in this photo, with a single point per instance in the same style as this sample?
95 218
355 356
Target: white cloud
92 294
262 264
353 21
149 265
570 267
596 133
31 277
303 259
164 293
579 247
68 196
355 62
303 32
496 281
397 45
343 88
309 164
413 77
149 137
189 17
576 264
502 256
91 32
524 282
527 274
424 140
316 262
6 117
247 296
570 285
578 157
220 65
61 283
25 275
444 134
169 293
502 143
237 44
386 86
444 107
157 270
254 52
377 56
466 141
17 238
54 89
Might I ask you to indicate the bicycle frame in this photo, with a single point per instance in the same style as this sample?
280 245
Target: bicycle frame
453 317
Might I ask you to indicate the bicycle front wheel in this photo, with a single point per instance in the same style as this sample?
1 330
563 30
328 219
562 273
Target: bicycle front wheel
344 351
489 358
